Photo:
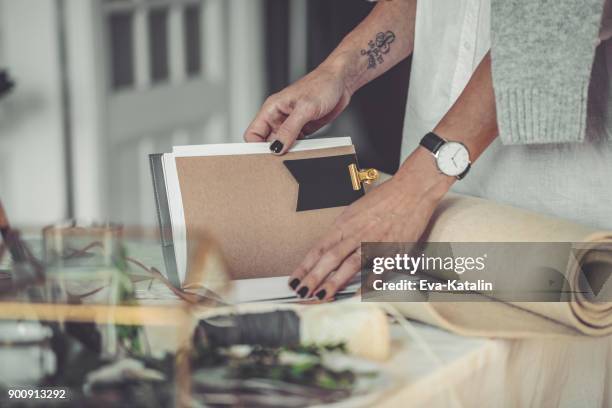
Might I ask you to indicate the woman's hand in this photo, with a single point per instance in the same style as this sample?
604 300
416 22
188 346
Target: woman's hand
300 109
318 98
396 211
399 210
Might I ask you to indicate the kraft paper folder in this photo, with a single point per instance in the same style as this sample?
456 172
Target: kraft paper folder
264 211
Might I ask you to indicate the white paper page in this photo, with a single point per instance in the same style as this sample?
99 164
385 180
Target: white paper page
173 189
177 215
269 289
226 149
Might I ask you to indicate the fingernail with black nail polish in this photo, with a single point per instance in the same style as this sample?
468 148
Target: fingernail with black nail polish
294 283
276 147
321 294
302 292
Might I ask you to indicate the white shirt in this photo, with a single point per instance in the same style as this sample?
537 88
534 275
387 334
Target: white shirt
565 180
451 38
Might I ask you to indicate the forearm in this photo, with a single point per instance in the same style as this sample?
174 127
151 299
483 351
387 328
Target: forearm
471 120
381 40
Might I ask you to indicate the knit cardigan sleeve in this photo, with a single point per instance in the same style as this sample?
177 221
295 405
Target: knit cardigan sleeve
542 53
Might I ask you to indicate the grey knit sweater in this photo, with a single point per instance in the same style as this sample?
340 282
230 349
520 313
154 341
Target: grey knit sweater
542 59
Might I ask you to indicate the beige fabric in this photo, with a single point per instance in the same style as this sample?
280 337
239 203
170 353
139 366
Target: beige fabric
468 219
567 372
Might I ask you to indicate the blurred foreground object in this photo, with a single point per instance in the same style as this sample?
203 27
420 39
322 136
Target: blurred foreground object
25 352
362 328
82 259
291 356
299 376
85 263
6 83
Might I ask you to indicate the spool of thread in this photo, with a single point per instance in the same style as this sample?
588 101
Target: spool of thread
363 328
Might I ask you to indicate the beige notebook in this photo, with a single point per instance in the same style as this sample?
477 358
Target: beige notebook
264 211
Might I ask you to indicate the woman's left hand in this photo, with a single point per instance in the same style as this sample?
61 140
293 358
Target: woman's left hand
396 211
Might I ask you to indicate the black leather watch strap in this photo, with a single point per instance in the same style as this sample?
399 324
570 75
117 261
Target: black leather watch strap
432 142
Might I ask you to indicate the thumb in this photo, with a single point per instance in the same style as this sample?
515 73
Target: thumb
290 130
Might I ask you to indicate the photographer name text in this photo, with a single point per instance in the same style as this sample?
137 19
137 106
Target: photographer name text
451 285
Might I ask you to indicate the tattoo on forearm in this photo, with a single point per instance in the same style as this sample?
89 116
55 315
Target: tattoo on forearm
378 47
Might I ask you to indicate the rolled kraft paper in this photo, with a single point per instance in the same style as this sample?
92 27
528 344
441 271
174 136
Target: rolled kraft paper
461 218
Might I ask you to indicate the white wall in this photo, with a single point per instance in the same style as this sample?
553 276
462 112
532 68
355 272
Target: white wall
86 72
246 65
108 163
32 185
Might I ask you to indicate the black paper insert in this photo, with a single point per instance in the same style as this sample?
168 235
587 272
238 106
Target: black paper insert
324 182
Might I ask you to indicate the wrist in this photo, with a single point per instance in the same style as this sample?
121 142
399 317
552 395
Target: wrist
345 66
421 172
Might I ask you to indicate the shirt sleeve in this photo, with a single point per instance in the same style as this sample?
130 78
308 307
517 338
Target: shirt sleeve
542 53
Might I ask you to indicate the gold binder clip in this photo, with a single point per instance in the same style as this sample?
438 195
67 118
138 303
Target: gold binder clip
366 176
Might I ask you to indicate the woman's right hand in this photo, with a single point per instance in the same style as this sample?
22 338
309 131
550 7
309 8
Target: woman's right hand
300 109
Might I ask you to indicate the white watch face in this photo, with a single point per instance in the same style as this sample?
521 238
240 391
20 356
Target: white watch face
453 158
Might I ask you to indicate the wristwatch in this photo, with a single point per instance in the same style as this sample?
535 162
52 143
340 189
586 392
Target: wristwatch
452 158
